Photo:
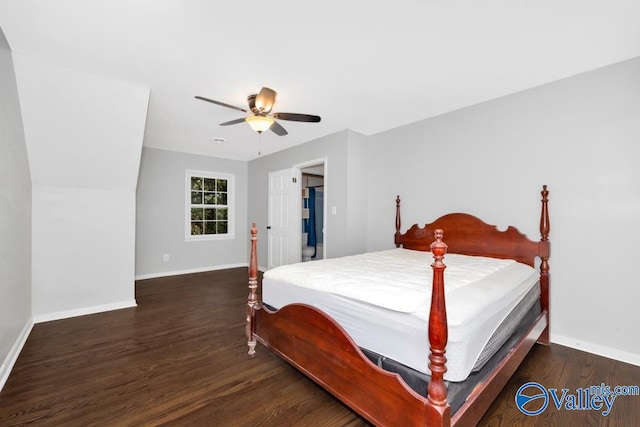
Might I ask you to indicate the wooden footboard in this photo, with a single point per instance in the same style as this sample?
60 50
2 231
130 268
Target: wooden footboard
315 344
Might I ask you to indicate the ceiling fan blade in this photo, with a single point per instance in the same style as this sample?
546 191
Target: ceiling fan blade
232 122
278 129
295 117
221 103
265 99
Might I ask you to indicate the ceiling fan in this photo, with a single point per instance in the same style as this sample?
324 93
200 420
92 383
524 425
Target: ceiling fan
261 118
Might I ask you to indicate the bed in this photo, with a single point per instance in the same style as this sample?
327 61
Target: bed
296 324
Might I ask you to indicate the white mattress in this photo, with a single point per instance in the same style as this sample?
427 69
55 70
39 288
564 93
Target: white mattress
382 300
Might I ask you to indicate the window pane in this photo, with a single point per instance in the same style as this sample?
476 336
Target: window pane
221 185
222 227
196 214
221 214
209 184
196 228
210 227
210 214
196 197
196 183
209 198
221 198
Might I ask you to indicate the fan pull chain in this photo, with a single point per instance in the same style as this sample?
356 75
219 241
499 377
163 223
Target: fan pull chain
259 144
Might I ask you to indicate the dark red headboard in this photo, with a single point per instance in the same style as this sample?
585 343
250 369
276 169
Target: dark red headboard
469 235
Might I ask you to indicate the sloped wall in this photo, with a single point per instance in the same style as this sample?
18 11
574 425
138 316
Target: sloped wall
15 220
84 137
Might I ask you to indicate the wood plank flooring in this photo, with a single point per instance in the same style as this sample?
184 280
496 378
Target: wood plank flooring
179 358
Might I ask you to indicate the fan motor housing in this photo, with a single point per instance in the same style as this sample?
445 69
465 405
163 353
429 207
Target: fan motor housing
251 100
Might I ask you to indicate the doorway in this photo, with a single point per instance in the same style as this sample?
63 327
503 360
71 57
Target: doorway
313 219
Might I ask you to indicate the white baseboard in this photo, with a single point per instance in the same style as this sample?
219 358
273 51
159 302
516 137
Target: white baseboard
189 271
83 311
600 350
12 357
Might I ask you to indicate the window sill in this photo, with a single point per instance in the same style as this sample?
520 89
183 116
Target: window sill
207 238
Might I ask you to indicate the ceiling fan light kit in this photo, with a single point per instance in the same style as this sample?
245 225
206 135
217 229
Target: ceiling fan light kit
259 123
260 106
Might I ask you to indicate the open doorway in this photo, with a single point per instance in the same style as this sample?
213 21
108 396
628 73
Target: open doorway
313 235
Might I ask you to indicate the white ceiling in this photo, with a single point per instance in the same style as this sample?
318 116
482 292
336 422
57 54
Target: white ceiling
363 65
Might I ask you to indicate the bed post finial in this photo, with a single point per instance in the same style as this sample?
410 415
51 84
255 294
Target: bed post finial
438 330
544 215
252 301
398 237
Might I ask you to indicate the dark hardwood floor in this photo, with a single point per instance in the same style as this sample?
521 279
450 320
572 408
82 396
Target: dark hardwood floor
179 358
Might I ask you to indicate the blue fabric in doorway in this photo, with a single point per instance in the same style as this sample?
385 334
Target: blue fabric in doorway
310 227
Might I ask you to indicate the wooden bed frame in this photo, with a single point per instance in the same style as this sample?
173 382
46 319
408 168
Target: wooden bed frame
315 344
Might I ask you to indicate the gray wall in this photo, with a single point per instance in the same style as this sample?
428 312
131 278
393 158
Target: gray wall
161 214
357 202
346 167
15 218
581 137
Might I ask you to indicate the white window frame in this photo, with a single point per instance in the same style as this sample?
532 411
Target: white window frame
189 173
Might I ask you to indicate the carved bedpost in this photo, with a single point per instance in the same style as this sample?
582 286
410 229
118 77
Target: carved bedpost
397 237
438 331
252 301
545 253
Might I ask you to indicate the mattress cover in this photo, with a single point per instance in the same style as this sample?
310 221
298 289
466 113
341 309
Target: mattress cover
382 300
401 280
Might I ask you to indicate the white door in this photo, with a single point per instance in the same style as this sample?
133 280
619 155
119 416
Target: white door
284 218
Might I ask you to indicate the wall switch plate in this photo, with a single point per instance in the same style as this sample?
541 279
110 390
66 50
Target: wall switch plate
165 257
334 210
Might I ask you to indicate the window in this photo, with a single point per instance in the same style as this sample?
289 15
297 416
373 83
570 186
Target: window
209 205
